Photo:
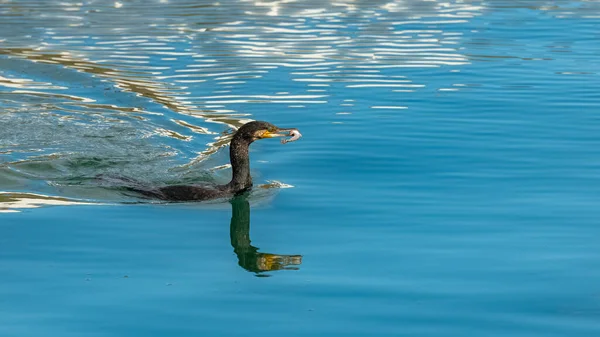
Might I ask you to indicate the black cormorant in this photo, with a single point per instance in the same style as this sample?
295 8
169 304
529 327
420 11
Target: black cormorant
241 180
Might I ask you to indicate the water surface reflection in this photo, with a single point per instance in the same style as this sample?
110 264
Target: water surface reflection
248 255
140 87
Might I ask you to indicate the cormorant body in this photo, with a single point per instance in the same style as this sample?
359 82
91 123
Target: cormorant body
241 181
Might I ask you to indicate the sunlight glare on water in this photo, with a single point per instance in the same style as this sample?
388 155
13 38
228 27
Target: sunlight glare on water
446 183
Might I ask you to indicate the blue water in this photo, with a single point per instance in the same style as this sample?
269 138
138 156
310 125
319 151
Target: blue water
446 185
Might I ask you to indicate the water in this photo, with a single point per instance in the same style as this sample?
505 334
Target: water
446 184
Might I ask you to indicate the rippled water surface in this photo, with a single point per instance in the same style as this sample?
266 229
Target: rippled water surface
447 183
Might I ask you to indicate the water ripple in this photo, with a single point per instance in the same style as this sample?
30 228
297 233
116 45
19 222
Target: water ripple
179 72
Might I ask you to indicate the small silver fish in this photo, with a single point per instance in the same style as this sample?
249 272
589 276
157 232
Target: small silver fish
295 136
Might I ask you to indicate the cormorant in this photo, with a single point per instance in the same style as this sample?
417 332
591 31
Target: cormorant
241 180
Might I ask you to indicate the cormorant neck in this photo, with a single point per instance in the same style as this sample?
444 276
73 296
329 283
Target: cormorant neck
240 165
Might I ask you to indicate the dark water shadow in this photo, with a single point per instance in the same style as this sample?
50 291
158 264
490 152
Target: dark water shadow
248 255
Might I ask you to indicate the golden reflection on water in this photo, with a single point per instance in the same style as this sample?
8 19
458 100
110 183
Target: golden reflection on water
15 202
147 89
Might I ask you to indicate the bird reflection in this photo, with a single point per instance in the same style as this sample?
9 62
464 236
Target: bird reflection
248 256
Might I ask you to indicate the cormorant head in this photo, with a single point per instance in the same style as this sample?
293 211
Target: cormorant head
258 130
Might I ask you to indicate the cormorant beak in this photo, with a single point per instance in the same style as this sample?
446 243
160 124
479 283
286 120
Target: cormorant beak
269 134
281 133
